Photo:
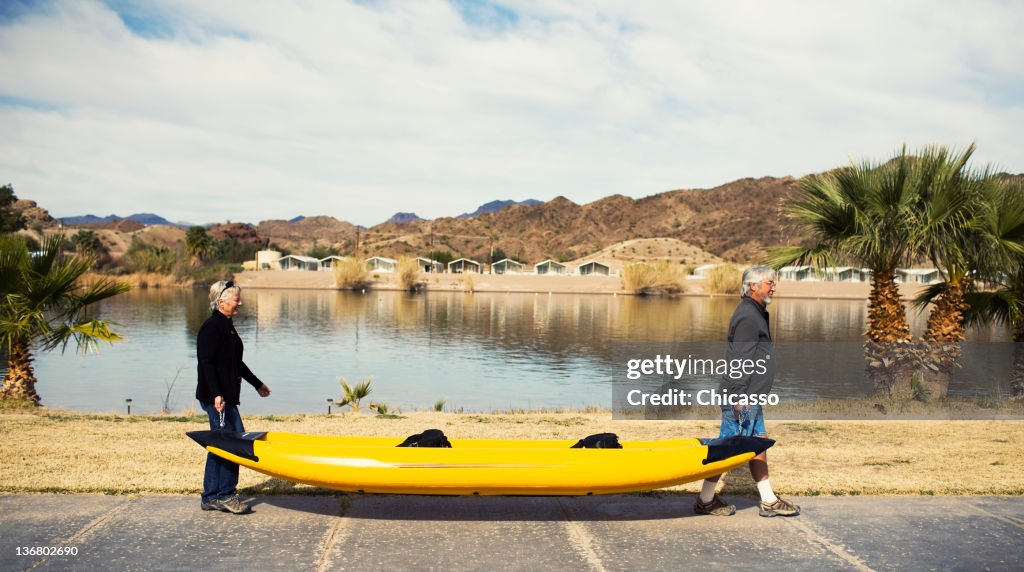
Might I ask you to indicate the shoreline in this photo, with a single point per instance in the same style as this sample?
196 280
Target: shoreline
544 284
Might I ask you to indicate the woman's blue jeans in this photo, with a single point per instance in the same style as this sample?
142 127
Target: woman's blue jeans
221 478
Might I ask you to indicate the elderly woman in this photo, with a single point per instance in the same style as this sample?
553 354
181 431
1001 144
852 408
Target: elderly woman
221 371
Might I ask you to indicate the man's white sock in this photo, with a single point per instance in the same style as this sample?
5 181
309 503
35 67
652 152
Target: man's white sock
765 488
707 492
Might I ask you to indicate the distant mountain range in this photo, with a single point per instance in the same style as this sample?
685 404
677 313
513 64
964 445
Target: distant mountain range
402 218
144 218
495 206
487 208
150 219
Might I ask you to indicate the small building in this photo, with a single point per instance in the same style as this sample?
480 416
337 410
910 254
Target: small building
593 268
507 266
917 275
428 265
297 262
796 273
381 264
846 274
327 263
550 267
267 259
464 265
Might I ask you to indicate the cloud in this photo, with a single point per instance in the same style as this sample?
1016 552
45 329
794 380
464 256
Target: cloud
207 111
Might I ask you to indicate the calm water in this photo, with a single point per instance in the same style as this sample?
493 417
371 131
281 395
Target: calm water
479 351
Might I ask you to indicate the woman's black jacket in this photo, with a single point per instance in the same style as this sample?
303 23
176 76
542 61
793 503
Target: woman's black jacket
221 369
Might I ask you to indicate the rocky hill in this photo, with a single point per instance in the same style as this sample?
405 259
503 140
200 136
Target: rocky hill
734 221
303 234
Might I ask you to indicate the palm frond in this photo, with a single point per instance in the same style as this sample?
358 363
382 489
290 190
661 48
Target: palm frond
929 295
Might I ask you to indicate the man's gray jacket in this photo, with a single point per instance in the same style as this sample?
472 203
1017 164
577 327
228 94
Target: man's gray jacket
749 339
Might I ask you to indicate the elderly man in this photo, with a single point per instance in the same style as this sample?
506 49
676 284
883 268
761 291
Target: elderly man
749 339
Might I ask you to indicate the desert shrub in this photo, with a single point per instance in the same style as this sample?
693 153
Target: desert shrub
321 251
235 251
658 278
724 279
142 257
351 274
442 256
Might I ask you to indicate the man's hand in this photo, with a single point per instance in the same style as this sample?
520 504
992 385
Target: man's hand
264 391
218 403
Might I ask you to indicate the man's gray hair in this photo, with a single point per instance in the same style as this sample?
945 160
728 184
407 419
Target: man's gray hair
755 275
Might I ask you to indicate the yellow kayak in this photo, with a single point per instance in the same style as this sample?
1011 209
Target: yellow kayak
479 466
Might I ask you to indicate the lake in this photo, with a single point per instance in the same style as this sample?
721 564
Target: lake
480 352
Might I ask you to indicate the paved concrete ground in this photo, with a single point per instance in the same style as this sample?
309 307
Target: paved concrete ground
620 532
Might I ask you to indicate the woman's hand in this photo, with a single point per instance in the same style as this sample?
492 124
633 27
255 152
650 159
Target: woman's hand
218 403
263 390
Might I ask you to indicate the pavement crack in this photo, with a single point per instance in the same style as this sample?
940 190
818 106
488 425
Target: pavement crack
81 535
581 540
828 544
335 533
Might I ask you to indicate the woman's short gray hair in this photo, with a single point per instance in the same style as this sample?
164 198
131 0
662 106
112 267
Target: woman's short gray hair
222 290
755 275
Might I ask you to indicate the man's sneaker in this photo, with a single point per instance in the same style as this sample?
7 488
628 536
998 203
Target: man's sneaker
232 504
716 507
780 507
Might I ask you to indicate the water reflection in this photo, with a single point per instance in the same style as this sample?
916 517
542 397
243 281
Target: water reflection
480 351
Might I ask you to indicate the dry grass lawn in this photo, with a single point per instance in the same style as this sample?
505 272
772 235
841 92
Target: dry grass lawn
55 451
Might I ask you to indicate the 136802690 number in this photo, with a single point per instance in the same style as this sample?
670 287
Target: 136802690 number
47 551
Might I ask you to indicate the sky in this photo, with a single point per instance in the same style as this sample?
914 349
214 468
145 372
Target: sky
252 110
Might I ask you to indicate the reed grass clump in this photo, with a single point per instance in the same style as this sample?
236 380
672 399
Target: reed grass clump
724 279
658 278
351 274
408 271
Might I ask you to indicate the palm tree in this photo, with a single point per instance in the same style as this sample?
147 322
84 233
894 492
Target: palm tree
1004 306
972 225
42 303
354 394
87 243
862 215
950 235
996 252
198 243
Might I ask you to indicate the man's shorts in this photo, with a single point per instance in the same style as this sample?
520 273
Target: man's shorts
749 422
